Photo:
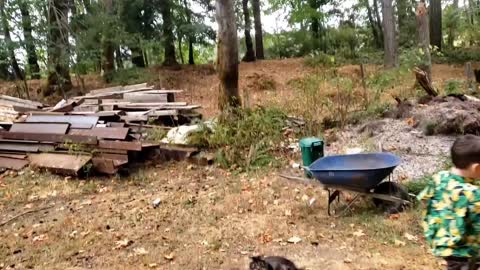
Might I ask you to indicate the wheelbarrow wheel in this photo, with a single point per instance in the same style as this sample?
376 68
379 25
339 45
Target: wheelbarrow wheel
394 190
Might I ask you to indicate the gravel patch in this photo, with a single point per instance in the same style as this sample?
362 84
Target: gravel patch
421 155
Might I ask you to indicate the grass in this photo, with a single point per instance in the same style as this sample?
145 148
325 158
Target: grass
245 139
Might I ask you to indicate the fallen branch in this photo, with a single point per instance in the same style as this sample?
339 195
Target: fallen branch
23 214
424 81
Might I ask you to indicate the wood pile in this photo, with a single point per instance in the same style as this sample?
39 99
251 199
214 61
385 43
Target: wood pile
101 132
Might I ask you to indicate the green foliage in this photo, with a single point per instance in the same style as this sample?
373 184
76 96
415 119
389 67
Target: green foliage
454 87
320 59
156 134
416 186
129 76
245 138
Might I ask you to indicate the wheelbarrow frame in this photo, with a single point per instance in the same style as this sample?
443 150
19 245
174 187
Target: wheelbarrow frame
335 191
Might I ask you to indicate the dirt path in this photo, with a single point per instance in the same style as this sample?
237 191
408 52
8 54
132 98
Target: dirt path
207 219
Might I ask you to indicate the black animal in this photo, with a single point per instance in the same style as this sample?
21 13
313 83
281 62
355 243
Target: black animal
272 263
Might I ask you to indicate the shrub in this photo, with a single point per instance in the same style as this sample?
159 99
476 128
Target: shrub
454 87
128 76
416 186
245 138
320 59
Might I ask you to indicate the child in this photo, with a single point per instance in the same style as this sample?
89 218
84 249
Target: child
452 216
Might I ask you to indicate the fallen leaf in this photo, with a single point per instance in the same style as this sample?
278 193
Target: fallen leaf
40 238
170 256
399 243
123 244
359 233
140 251
347 260
152 265
410 121
311 202
288 213
277 240
86 202
266 238
394 216
294 240
305 198
410 237
28 206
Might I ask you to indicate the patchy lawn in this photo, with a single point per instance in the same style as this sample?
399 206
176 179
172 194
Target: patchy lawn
207 219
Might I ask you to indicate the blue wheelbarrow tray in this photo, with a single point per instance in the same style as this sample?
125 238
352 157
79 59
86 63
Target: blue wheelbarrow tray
358 172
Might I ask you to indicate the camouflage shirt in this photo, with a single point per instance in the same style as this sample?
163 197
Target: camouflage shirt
451 220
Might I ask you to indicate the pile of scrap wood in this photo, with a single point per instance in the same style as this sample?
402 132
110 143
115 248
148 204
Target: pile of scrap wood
138 103
11 107
103 130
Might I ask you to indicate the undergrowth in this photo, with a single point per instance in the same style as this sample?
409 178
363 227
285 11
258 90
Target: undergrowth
245 139
128 76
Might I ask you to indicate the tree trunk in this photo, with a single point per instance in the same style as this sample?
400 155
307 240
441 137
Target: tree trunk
180 49
227 55
58 57
169 39
436 23
257 20
137 57
29 41
119 57
373 25
8 40
191 57
315 22
108 47
423 38
389 36
250 53
452 29
191 37
379 19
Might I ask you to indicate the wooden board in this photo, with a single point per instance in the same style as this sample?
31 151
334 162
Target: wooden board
14 156
118 89
61 163
12 163
102 132
76 121
20 101
48 137
19 147
41 128
131 146
105 166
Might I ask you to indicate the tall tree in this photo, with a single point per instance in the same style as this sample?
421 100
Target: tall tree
58 55
373 25
376 9
191 37
436 36
423 38
257 18
452 16
32 58
8 40
250 53
227 55
390 42
315 21
168 36
108 46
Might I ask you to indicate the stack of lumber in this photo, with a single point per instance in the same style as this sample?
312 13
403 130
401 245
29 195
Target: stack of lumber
66 144
103 130
140 103
10 107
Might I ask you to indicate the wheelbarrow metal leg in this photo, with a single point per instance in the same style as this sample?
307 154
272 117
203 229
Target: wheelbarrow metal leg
331 198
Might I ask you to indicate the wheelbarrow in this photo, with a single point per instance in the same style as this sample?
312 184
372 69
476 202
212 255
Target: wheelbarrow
364 174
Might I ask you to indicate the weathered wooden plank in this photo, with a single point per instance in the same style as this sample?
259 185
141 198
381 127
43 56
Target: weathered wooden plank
12 163
120 159
148 98
41 128
61 163
102 132
14 156
131 146
48 137
18 147
105 166
21 101
118 89
76 121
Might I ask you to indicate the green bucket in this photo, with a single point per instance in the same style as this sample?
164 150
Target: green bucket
312 149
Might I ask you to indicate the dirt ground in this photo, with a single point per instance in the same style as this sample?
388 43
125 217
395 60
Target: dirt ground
207 218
